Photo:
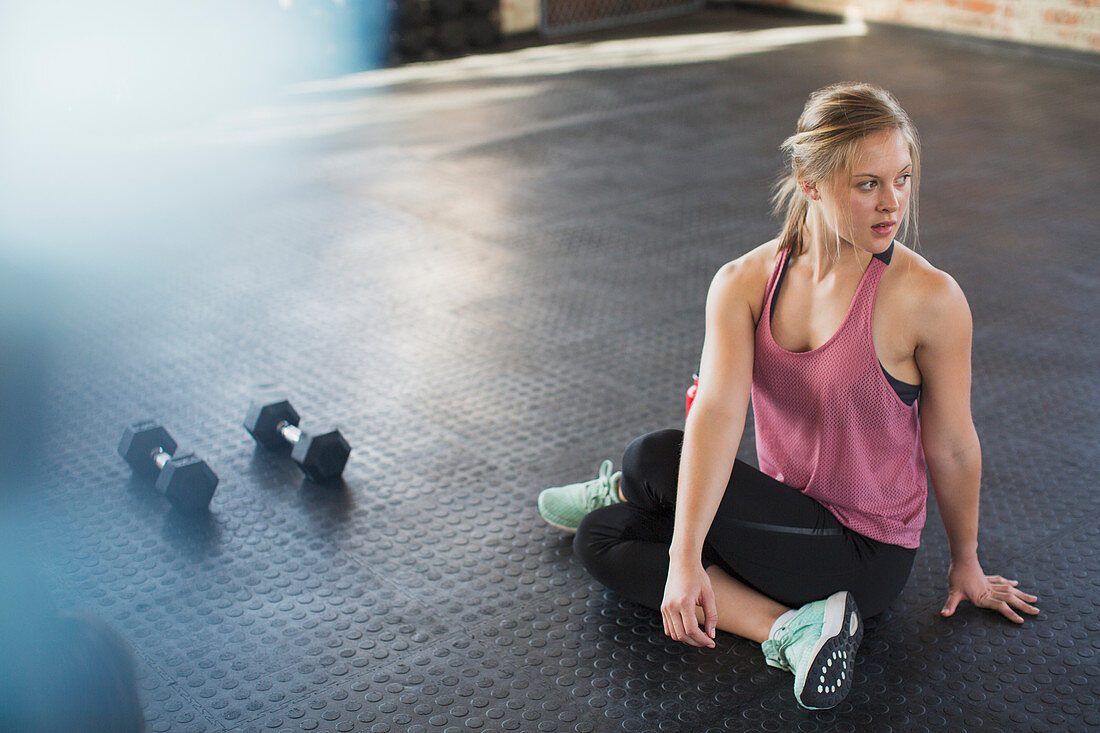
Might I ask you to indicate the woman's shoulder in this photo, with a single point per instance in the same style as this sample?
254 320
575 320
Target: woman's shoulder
751 267
745 279
920 289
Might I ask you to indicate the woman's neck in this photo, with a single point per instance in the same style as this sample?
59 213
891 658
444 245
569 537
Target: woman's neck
824 249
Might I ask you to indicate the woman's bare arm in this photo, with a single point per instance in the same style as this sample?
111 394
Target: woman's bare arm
711 438
951 446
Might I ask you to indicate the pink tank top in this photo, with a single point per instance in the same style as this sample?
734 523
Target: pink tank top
829 423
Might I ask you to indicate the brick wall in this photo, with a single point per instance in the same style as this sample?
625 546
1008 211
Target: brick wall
1073 24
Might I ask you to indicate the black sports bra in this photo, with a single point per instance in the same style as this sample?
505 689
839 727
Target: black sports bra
908 393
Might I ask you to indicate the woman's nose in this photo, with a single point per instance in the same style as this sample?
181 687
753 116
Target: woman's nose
889 200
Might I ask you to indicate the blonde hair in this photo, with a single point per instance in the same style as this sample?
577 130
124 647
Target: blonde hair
833 122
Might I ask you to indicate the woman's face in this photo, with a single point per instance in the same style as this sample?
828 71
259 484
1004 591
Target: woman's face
867 204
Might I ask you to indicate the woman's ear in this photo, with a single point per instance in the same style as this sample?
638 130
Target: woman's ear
810 189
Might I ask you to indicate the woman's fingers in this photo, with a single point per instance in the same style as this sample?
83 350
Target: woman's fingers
710 616
953 599
1006 590
1004 609
687 587
682 625
673 625
1004 598
993 592
687 629
1022 602
692 633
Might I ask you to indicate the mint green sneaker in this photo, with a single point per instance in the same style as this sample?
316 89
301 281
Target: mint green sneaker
564 506
818 644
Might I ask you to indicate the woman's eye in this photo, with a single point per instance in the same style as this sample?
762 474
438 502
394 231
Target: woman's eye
866 185
905 178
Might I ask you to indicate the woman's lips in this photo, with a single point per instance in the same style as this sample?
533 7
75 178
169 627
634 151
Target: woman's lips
883 230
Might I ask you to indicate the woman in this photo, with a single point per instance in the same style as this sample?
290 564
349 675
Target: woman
839 332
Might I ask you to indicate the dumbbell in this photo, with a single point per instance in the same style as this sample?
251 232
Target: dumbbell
185 480
274 425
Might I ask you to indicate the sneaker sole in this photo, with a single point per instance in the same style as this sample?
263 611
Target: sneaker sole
552 523
562 527
829 677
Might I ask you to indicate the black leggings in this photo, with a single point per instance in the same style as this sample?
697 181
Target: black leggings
766 534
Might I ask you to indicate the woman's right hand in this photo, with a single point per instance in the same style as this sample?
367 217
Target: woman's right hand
688 586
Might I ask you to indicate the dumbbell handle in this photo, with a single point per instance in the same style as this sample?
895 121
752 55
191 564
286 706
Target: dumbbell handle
291 433
160 458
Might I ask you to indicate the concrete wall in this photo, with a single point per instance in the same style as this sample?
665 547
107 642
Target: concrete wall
1072 24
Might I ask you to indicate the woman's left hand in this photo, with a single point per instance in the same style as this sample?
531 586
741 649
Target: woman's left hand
967 581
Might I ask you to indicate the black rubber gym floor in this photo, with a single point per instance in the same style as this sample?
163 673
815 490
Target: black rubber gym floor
490 274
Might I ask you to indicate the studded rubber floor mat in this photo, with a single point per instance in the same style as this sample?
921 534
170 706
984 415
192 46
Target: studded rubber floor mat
489 274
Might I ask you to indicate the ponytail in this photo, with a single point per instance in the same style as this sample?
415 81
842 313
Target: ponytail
789 202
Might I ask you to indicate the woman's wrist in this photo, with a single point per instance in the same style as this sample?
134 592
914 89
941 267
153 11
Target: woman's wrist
685 553
965 555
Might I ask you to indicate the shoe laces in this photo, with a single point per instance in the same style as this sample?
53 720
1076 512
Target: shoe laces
787 634
604 489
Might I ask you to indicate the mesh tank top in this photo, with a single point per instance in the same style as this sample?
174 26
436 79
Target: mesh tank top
829 423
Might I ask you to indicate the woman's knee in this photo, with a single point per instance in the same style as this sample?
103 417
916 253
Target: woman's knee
654 450
599 532
652 461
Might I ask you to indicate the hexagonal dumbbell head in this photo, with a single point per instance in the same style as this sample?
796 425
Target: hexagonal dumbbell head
139 444
263 420
188 483
322 457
